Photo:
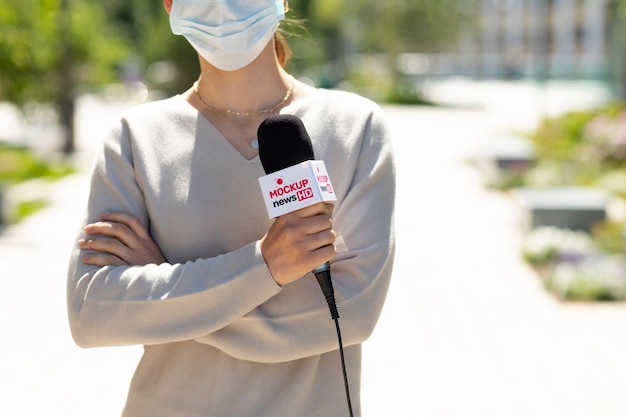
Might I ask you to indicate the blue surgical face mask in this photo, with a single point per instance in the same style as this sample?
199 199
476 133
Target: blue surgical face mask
229 34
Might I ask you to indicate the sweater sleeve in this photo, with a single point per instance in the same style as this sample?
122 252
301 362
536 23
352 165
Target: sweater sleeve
155 304
297 323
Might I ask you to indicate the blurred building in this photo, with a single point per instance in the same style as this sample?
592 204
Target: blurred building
530 39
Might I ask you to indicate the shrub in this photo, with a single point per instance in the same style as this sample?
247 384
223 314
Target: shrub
573 266
18 163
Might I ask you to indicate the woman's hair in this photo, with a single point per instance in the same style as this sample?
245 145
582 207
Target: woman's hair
288 27
283 52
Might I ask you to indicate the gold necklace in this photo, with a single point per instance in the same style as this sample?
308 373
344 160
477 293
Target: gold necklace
242 115
233 115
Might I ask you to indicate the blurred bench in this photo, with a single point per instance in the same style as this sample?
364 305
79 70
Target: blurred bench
510 153
575 208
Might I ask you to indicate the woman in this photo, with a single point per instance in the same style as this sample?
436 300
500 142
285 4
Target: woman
178 253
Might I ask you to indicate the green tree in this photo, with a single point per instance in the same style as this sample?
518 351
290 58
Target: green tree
398 26
145 25
47 47
343 29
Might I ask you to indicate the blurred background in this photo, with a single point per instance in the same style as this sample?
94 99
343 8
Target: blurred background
53 51
509 120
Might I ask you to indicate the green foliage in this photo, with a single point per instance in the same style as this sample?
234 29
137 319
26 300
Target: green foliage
40 41
587 290
408 25
586 148
581 149
575 266
27 208
92 42
556 139
610 236
146 28
343 31
19 164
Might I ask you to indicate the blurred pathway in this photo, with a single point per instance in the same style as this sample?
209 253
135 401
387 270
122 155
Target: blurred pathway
467 329
43 372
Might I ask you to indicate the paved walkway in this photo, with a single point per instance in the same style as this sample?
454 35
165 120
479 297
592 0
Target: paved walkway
467 329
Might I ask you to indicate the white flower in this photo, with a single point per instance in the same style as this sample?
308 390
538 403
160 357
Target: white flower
548 242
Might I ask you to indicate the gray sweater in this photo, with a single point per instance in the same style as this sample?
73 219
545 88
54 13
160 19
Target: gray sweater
221 338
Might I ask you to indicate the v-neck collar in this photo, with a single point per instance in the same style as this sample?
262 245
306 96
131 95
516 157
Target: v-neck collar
221 140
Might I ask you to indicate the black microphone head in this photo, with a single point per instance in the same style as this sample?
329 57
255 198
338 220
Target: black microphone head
283 142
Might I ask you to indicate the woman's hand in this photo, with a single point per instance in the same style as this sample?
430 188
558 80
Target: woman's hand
119 239
298 242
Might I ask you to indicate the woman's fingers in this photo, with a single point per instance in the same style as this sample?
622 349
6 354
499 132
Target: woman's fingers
104 244
101 259
121 238
127 229
313 210
116 231
297 242
103 251
315 229
132 222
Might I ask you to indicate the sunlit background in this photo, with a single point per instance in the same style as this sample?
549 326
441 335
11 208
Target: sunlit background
509 122
54 51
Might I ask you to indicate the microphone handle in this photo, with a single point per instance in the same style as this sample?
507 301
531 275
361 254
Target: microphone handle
322 273
323 267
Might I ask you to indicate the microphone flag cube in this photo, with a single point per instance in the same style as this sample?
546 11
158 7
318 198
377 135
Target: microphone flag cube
296 187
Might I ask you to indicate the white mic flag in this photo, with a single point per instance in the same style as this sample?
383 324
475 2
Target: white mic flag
296 187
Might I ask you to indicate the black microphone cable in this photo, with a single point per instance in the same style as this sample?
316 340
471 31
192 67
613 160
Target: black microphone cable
322 274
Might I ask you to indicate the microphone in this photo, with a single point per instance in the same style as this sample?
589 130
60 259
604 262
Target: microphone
284 143
285 147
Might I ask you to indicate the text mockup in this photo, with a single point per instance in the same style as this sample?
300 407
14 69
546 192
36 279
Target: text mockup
296 187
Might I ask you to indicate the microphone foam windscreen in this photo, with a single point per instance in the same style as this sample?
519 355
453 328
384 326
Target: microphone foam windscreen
283 142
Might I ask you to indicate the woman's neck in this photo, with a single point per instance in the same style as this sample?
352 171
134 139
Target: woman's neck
256 87
236 102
